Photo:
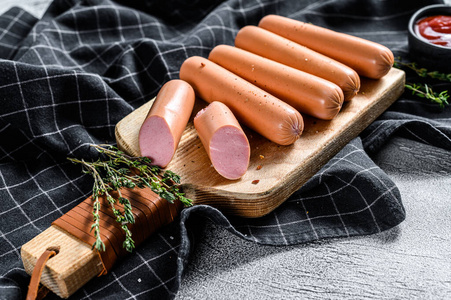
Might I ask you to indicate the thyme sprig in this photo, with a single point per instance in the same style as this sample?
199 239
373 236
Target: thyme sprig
423 72
425 91
118 170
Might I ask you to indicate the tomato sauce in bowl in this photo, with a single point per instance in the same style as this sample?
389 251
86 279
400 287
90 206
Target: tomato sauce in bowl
435 29
429 37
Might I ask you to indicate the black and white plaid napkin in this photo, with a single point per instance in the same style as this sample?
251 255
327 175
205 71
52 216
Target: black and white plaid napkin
68 78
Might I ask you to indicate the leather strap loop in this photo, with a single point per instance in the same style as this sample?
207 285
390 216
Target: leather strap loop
151 212
34 291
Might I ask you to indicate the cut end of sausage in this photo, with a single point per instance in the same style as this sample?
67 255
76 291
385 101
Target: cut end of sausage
156 141
230 152
223 139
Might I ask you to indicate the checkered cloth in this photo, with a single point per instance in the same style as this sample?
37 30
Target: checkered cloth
68 78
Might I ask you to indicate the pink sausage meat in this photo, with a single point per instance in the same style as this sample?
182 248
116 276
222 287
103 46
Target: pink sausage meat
162 129
223 139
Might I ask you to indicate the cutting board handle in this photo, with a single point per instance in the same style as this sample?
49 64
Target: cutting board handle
77 262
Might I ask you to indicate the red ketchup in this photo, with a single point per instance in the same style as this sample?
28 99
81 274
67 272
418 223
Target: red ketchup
435 29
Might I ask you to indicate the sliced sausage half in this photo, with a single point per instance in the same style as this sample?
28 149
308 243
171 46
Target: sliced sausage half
166 120
223 139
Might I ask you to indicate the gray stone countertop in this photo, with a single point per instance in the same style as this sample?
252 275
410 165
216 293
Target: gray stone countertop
410 261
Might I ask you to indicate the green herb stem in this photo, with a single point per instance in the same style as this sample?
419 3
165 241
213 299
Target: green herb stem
424 91
118 171
423 72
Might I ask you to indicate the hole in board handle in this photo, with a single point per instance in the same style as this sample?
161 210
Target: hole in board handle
56 249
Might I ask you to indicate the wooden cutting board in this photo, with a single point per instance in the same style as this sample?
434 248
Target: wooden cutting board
275 172
284 169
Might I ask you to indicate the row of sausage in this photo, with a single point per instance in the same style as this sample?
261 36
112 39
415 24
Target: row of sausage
276 71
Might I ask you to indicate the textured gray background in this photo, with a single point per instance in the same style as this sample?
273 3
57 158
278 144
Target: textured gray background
410 261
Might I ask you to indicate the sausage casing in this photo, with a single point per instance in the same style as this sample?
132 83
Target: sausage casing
252 106
307 93
165 122
224 140
368 58
275 47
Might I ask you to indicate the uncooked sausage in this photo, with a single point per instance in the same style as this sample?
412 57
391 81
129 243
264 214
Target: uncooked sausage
252 106
307 93
275 47
224 140
166 120
368 58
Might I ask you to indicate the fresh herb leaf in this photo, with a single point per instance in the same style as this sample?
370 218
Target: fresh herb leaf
423 90
423 72
117 171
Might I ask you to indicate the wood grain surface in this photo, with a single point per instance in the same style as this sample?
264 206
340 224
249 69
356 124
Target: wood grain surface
75 264
284 169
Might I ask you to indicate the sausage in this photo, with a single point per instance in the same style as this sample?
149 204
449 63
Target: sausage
165 122
272 46
307 93
367 58
255 108
223 139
